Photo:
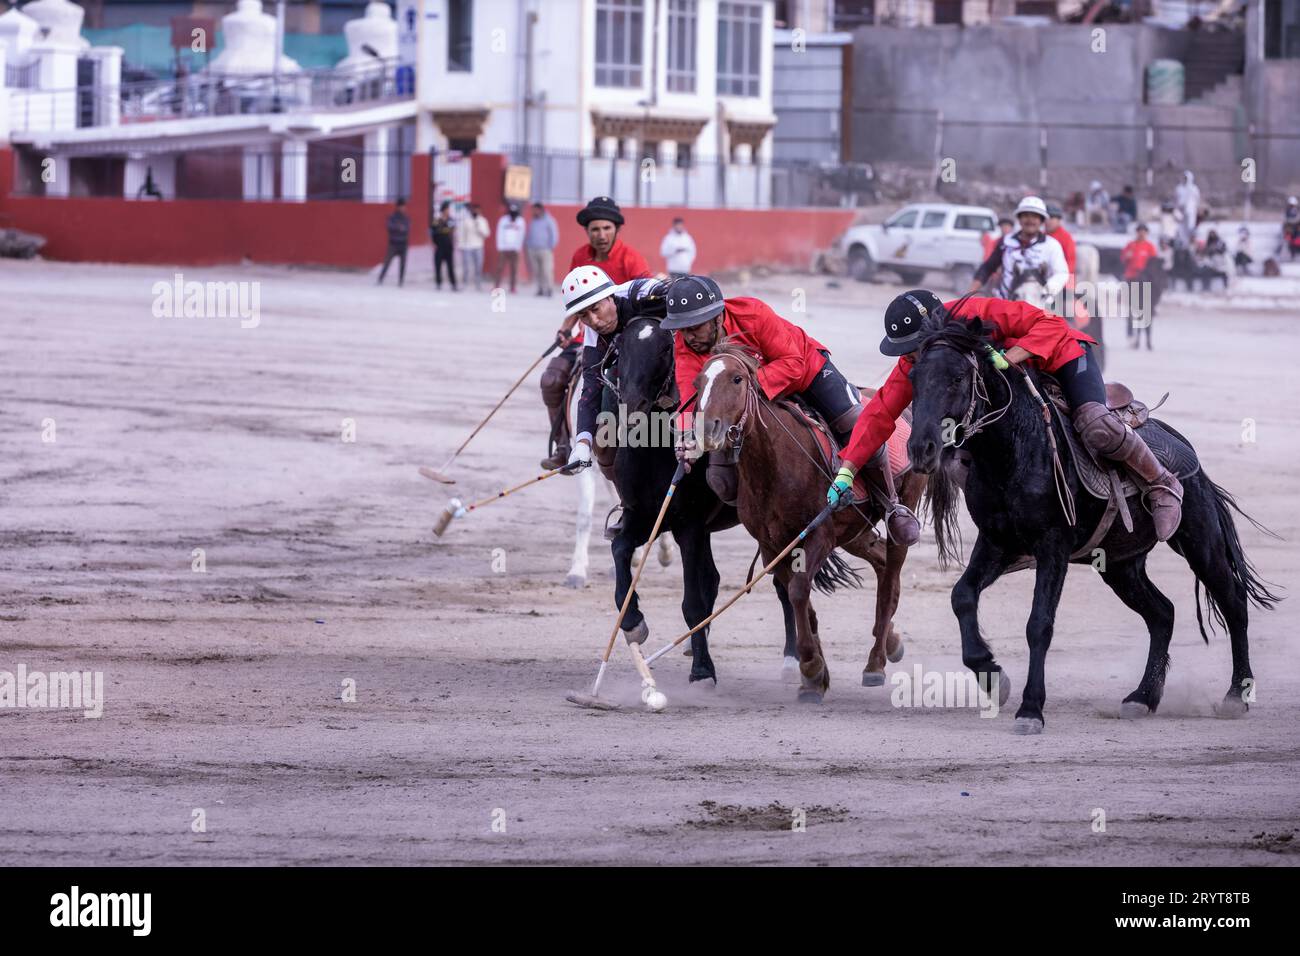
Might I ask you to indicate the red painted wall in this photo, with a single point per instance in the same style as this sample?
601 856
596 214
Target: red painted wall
351 234
212 231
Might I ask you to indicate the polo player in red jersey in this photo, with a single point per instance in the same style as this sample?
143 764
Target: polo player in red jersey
791 362
602 219
1026 334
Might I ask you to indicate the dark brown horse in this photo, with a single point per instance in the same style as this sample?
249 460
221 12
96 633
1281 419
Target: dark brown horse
783 472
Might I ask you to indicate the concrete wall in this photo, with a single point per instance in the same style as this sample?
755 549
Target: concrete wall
211 231
998 87
1272 94
808 99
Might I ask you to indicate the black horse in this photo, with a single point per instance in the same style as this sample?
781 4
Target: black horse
643 382
1013 498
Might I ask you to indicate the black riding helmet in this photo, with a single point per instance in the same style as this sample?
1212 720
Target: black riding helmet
909 317
692 301
602 207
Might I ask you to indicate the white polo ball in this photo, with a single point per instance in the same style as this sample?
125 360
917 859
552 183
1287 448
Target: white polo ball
656 701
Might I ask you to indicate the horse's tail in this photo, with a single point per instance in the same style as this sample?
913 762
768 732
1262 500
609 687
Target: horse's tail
835 572
1243 571
941 501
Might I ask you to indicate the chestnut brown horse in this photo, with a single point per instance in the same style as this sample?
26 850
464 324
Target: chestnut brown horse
783 474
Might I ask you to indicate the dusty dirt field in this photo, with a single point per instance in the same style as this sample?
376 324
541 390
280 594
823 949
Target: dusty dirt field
223 688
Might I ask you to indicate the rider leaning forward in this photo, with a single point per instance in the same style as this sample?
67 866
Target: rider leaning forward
791 363
1022 333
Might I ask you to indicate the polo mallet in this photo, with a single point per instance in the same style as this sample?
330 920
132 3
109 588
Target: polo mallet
455 509
650 694
440 474
812 526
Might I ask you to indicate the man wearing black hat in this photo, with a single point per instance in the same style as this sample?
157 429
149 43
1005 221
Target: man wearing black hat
603 220
791 362
1024 333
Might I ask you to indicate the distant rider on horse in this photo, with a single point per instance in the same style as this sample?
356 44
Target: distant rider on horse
1029 253
791 363
1023 333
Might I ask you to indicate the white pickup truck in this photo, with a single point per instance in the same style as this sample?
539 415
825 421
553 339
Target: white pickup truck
919 238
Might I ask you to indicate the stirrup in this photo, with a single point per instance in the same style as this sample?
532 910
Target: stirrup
613 531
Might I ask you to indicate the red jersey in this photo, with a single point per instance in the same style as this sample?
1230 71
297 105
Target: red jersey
1045 334
789 358
1067 246
623 265
1135 257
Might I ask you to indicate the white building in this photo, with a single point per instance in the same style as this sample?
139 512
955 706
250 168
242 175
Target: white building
254 124
684 84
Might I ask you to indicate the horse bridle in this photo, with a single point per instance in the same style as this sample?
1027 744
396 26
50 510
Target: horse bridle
969 425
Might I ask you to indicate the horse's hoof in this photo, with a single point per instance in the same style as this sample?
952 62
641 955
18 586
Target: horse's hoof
1231 707
665 553
1028 726
810 695
1133 710
638 634
687 650
873 678
575 581
704 675
896 654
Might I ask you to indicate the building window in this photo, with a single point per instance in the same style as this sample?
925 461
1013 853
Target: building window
947 12
460 38
684 154
681 46
619 28
740 48
1281 29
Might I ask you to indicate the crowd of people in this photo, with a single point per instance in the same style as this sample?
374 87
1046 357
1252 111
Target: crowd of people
522 245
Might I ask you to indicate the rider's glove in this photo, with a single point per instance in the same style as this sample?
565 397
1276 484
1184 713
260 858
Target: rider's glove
999 359
579 459
685 450
838 494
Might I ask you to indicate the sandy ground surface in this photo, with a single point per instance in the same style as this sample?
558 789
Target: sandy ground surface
224 688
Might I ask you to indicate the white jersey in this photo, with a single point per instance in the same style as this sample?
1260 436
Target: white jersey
1042 258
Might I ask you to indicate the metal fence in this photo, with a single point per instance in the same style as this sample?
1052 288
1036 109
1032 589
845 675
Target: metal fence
1061 157
572 176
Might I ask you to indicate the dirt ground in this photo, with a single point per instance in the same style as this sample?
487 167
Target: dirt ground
224 688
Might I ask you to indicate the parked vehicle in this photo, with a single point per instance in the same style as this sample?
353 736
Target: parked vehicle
919 238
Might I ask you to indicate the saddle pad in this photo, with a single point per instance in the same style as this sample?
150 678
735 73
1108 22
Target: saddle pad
1169 448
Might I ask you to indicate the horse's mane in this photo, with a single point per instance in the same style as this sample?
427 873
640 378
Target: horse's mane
964 335
732 347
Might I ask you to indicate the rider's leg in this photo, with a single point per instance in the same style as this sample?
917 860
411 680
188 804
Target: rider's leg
840 404
1106 434
555 386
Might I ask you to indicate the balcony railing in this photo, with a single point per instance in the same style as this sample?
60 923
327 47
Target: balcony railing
207 95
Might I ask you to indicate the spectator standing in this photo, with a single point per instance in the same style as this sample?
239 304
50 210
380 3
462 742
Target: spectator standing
1141 261
542 237
511 230
1187 198
399 234
441 231
472 230
678 249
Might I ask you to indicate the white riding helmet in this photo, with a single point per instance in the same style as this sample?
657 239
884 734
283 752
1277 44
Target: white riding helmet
584 286
1032 204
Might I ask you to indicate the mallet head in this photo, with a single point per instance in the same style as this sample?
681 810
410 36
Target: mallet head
448 513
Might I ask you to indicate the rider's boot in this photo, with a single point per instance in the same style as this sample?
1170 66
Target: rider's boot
1109 436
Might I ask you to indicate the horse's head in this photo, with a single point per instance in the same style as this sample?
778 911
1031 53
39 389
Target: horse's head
942 390
723 388
644 372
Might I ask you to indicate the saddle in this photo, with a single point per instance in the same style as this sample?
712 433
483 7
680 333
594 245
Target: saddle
830 449
1107 480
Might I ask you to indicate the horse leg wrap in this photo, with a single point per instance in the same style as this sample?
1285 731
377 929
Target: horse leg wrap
1106 434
